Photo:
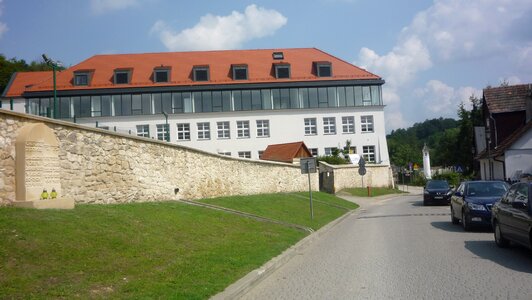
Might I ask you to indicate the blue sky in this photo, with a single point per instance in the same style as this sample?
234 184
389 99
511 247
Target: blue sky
432 54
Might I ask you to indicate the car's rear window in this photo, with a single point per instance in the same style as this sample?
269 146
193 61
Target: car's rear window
437 184
486 189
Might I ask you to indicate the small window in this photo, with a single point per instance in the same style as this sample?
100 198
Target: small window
81 78
263 128
244 154
329 125
224 153
201 73
310 126
366 123
348 124
242 128
240 72
368 152
143 130
278 55
122 77
282 71
163 132
223 130
204 131
161 75
323 69
313 151
183 132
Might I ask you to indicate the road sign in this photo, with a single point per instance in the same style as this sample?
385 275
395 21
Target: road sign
458 169
308 165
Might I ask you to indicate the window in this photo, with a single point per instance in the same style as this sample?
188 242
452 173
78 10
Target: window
282 71
278 55
323 69
348 124
201 73
330 150
122 77
263 128
368 152
161 75
240 72
183 132
313 151
163 132
366 95
223 130
366 122
204 131
244 154
225 153
81 78
329 125
242 129
310 126
260 153
143 130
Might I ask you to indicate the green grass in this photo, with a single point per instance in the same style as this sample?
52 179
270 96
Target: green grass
164 250
363 192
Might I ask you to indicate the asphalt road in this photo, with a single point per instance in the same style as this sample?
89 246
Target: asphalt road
398 249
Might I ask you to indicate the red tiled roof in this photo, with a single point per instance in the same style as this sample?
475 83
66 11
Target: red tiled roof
507 98
259 62
22 81
286 152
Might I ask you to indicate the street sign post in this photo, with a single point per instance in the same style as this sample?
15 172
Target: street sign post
308 165
362 169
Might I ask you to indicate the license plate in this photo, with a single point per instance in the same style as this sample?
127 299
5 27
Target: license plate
438 197
476 219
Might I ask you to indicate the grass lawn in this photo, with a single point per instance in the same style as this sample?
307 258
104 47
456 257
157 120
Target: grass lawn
363 192
164 250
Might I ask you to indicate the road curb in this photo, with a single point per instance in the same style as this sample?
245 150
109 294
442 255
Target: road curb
243 285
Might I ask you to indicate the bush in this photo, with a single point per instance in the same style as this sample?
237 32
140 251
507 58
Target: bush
333 160
453 178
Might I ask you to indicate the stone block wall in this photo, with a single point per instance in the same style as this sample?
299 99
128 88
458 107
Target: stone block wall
338 177
98 166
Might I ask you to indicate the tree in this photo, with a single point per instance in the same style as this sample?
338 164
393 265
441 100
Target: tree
10 66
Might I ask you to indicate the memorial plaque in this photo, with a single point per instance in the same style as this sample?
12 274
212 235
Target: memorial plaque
37 168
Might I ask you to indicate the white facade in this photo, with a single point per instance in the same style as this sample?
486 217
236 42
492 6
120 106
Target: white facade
19 104
368 138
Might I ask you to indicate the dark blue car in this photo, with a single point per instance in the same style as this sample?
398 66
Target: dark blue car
472 201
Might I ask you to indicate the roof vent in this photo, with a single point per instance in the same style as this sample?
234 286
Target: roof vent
278 55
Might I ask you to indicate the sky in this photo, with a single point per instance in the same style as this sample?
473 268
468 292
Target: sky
433 55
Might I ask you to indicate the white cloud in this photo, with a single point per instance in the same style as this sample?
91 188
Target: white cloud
103 6
442 100
3 26
222 32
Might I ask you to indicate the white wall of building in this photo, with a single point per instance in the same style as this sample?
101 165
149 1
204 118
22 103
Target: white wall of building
19 104
519 157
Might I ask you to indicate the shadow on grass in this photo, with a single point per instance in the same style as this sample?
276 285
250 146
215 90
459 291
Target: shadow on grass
515 257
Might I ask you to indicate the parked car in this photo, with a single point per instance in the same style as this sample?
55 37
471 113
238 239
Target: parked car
512 216
437 191
472 201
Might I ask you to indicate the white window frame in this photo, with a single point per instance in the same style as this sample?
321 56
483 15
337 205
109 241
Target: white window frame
242 129
244 154
313 151
368 152
204 131
263 128
183 131
329 125
311 126
224 130
143 130
367 124
163 132
329 150
226 153
348 124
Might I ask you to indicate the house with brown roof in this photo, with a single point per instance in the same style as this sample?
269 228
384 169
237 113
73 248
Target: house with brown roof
507 113
287 152
231 102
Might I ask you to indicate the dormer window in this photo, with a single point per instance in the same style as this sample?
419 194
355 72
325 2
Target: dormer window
161 75
201 73
278 55
323 69
122 76
282 71
240 72
81 78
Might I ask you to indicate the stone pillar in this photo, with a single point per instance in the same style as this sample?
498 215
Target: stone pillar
426 162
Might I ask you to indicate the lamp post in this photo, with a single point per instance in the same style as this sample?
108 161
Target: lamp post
167 127
54 64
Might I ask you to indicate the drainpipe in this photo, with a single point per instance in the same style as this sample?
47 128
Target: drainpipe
495 130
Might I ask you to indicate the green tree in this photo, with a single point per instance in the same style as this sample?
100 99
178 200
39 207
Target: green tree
10 66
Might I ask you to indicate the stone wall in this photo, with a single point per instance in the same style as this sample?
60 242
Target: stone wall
338 177
99 166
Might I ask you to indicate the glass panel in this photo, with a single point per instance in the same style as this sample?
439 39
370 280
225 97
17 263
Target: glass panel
375 95
226 100
350 96
64 107
294 98
207 101
76 103
276 96
157 104
146 104
266 99
187 102
237 100
285 98
167 102
313 97
246 100
45 107
117 105
197 102
216 101
358 96
85 107
366 93
106 106
341 96
177 103
136 107
303 93
33 106
331 96
127 105
96 106
256 103
322 94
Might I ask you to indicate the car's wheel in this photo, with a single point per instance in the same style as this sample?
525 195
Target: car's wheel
466 223
454 220
499 238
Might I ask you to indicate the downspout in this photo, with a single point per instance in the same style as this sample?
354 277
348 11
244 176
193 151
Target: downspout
495 130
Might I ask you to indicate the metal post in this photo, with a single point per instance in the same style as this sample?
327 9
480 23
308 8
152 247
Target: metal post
310 193
167 129
11 104
55 92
